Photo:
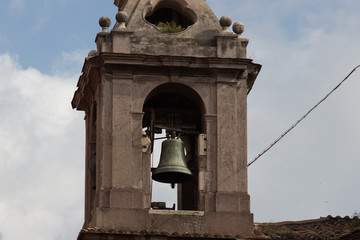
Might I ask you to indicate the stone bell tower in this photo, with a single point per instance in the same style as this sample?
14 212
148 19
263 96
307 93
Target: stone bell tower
166 66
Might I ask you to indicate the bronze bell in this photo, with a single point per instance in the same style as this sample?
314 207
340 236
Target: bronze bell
172 167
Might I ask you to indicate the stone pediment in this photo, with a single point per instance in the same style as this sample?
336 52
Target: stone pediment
194 16
173 28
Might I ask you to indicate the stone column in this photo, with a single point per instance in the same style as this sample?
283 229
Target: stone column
241 132
241 135
226 122
104 141
122 161
208 167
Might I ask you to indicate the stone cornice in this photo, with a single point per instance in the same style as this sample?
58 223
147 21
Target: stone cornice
115 63
178 61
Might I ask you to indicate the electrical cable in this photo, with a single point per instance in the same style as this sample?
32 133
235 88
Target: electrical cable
302 118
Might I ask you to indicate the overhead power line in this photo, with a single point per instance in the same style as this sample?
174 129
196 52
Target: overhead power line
303 117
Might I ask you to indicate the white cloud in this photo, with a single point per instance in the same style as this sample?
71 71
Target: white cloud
41 144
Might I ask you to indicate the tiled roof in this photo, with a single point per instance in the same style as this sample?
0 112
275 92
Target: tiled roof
320 229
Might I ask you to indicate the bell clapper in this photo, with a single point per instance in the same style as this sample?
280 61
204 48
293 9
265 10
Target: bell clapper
172 185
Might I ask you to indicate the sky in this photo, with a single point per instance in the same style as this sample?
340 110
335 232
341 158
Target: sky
306 48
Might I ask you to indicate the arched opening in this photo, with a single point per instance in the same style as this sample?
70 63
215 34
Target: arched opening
172 12
176 108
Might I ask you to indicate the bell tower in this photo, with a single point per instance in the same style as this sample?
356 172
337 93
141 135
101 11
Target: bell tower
171 67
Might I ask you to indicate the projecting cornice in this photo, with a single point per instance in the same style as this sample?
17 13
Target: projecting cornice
130 64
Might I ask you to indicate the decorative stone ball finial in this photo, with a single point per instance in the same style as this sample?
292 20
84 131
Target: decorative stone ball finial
238 28
92 53
225 22
121 18
105 23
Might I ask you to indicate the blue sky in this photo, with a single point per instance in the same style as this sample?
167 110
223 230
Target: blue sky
40 31
306 48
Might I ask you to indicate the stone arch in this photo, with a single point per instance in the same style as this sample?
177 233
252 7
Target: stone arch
177 107
176 11
178 97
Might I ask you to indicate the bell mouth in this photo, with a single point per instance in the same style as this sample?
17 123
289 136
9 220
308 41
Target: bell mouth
165 176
